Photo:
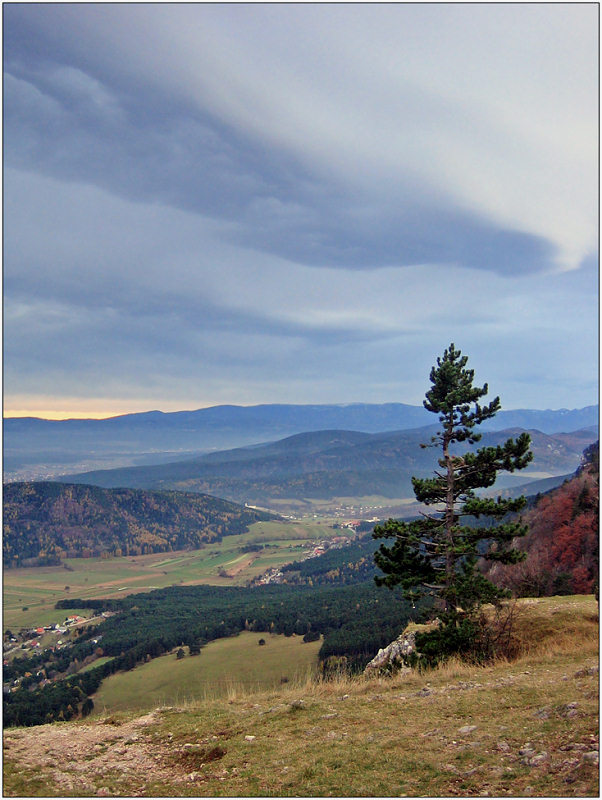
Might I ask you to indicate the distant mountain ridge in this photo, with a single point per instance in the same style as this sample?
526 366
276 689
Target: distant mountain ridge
332 463
154 436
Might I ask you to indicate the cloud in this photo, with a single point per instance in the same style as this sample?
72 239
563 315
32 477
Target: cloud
111 292
331 161
247 203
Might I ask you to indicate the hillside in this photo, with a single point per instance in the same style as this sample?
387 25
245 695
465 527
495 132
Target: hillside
329 464
562 544
44 522
42 449
430 734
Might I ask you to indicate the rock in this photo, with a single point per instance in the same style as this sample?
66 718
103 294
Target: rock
567 710
503 746
592 757
540 758
467 729
543 713
249 738
329 716
189 747
104 792
394 655
582 673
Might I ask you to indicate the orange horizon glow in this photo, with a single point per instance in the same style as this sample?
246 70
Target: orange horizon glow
74 408
62 415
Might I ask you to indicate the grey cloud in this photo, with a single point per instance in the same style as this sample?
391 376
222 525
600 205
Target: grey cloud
85 126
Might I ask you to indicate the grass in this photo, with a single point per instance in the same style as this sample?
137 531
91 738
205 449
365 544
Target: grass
398 736
37 589
225 668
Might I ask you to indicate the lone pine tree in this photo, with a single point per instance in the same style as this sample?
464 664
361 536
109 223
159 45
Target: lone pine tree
438 553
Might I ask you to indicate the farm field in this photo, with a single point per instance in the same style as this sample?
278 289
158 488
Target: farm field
225 668
31 593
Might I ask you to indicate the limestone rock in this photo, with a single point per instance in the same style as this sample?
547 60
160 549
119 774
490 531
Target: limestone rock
394 655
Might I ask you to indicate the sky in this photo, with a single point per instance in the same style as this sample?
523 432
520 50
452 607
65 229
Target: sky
212 204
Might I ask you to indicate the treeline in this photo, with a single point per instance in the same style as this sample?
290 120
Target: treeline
355 622
45 522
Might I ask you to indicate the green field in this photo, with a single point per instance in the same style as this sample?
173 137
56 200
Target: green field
224 668
37 589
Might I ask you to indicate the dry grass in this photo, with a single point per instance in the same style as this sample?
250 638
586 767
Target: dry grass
535 732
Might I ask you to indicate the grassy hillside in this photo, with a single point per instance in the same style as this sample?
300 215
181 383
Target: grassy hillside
45 522
431 734
225 667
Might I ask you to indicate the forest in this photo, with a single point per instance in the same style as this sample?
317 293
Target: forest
45 522
355 621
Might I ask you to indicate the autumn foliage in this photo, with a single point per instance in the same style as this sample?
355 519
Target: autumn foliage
563 543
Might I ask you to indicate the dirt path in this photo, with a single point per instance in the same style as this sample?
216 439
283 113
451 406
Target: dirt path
76 761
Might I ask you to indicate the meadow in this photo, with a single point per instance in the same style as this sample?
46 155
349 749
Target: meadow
226 667
30 593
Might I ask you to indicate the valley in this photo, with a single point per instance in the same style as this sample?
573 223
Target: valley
30 594
163 595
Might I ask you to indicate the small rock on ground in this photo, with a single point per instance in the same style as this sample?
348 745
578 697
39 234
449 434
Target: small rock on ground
466 729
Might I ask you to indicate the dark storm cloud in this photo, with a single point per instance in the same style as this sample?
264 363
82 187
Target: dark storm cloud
73 117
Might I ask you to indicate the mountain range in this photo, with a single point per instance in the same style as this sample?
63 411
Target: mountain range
39 448
332 463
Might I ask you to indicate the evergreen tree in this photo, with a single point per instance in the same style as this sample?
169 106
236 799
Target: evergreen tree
437 554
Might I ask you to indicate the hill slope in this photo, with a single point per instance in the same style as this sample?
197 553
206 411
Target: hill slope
419 735
44 522
562 544
326 464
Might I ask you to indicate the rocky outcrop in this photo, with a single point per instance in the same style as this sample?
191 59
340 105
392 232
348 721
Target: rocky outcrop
393 657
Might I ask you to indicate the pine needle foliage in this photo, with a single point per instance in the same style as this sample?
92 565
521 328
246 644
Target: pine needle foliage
437 554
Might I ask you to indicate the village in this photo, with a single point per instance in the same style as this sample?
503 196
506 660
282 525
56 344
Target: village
39 639
275 574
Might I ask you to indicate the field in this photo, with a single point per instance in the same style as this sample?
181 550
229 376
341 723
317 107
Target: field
225 667
522 728
30 594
